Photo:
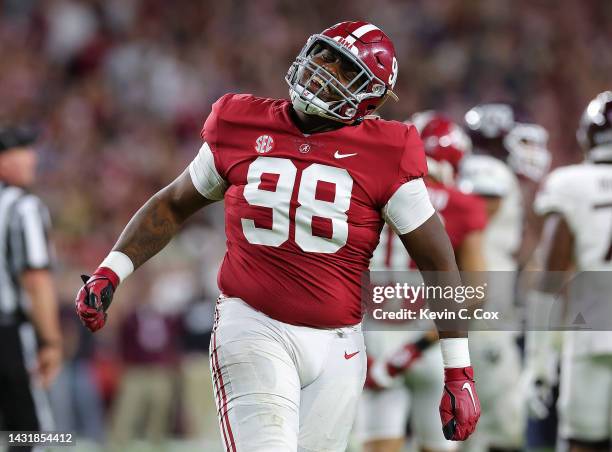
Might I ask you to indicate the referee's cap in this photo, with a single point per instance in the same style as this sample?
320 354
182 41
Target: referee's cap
16 136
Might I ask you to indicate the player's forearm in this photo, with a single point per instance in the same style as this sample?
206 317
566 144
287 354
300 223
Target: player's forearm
444 273
39 286
447 328
431 250
150 229
154 225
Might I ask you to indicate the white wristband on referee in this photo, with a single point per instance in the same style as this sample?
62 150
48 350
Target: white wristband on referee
120 263
455 352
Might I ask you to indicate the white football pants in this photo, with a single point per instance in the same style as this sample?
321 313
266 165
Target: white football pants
585 397
281 387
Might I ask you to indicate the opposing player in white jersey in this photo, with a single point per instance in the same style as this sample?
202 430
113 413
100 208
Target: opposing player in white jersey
508 160
576 201
509 189
404 362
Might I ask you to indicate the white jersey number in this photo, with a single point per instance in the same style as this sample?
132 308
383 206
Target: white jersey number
280 200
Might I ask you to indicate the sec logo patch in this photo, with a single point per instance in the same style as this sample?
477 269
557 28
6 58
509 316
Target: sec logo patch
264 144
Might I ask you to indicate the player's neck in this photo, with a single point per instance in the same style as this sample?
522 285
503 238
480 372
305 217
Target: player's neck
311 123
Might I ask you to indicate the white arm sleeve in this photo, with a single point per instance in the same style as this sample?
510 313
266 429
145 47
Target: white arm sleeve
205 177
409 207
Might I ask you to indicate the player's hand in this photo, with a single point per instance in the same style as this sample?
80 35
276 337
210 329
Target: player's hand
538 382
381 373
539 399
540 375
459 407
95 297
49 362
374 380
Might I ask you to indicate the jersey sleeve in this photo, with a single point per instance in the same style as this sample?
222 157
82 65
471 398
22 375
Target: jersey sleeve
204 175
207 170
475 214
556 195
413 164
29 236
470 216
406 202
409 207
210 131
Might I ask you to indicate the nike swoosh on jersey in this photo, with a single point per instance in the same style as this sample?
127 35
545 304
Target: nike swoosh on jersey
349 356
343 156
467 386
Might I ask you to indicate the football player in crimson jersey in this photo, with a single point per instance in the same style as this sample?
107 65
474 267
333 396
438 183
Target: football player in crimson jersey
404 365
307 184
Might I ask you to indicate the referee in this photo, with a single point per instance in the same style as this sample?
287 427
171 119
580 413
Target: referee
30 338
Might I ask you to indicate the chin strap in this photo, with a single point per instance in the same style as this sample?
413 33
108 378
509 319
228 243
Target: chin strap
389 94
316 106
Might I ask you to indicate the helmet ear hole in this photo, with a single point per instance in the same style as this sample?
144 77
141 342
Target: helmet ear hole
378 89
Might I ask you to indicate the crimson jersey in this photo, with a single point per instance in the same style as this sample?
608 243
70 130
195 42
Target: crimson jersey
461 214
303 212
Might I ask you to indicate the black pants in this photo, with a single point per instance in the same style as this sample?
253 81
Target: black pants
17 406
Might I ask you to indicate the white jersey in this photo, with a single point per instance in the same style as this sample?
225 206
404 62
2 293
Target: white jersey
583 195
494 354
487 176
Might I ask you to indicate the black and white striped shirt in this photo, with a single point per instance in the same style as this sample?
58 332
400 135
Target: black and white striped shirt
24 245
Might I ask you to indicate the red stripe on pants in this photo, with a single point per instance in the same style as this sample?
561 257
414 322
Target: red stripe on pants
223 416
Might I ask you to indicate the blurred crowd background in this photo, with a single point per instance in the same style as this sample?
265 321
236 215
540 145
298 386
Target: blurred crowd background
120 89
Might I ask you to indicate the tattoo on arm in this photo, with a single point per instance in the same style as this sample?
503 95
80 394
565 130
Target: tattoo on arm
148 232
154 225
